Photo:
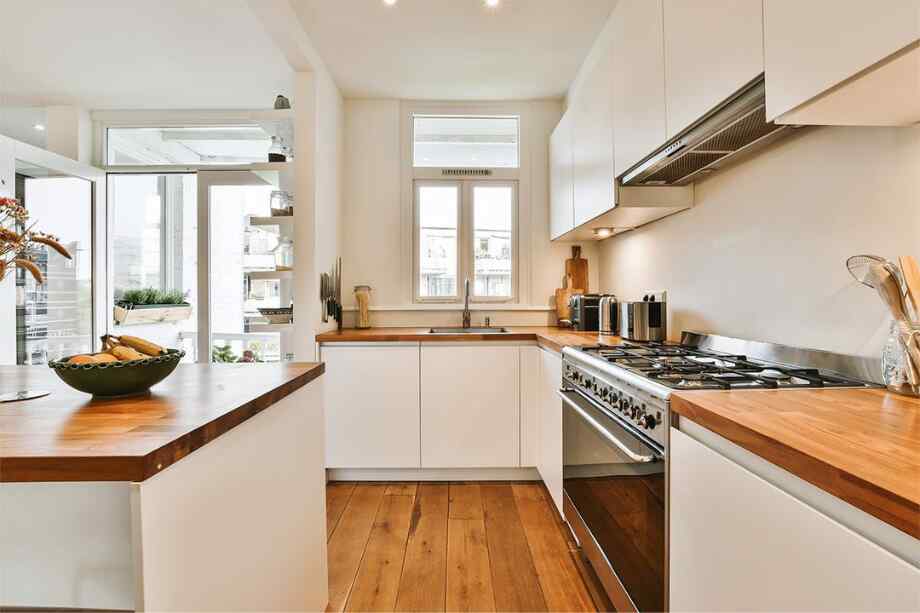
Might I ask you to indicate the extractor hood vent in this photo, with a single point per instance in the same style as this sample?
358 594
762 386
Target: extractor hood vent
738 125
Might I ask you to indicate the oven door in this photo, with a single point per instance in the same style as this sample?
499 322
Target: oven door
614 486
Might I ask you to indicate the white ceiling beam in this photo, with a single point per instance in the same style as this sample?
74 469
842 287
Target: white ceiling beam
280 21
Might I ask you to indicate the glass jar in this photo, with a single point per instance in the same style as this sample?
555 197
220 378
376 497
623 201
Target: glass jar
895 361
363 299
284 254
281 204
276 151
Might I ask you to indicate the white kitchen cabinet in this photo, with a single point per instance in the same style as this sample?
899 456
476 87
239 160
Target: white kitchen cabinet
470 405
712 48
549 430
561 206
372 406
834 63
639 116
530 403
592 142
737 542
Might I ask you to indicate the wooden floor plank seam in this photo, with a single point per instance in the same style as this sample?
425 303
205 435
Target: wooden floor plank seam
338 519
402 567
354 576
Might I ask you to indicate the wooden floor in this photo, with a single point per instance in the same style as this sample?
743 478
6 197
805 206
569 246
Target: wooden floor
451 547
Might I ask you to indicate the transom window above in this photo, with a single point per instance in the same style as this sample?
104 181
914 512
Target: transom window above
462 141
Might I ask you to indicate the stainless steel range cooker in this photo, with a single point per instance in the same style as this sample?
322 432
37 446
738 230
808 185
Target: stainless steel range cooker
615 441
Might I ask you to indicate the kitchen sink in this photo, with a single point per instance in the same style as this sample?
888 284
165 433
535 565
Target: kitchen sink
468 331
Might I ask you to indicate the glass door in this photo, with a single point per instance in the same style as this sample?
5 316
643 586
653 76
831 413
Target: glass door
153 225
54 319
246 242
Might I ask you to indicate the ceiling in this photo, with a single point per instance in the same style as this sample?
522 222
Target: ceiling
176 54
453 49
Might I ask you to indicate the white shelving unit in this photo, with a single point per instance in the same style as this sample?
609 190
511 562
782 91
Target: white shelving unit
285 221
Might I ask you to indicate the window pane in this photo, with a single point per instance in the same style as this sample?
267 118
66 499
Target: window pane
235 296
55 319
492 247
155 245
187 145
466 142
437 211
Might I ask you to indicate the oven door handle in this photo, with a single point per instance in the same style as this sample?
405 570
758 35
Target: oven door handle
601 430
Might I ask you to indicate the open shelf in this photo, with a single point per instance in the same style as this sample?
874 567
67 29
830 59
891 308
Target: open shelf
258 327
272 221
270 274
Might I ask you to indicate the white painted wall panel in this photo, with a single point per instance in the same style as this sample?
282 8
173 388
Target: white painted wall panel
762 253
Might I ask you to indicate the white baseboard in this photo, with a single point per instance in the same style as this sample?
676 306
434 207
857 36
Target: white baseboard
432 474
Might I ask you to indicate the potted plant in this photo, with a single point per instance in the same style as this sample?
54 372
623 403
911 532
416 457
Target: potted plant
150 305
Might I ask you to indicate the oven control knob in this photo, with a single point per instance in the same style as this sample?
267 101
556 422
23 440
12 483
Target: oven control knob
649 422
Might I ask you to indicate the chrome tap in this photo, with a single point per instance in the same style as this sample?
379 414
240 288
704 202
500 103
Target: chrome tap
466 304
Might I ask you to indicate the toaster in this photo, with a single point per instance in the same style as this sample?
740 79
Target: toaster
585 311
646 320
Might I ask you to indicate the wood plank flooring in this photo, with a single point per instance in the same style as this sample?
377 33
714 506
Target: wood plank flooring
451 547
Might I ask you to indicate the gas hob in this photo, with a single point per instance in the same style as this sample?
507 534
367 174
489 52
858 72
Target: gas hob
687 368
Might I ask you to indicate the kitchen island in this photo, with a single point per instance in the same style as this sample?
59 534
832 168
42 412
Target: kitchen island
207 494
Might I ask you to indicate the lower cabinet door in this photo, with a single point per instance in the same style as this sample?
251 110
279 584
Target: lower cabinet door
372 406
738 542
470 406
549 428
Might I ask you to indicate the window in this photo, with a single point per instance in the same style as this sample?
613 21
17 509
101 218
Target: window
465 142
438 217
493 220
465 231
55 319
200 146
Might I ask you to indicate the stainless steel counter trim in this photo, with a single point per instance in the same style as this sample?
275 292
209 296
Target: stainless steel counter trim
858 367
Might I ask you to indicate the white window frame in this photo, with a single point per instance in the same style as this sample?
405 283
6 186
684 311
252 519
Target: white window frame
411 176
466 235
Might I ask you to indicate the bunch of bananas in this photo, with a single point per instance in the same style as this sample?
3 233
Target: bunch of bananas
120 349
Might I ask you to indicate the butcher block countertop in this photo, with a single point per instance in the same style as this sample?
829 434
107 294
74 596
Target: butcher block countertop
68 436
861 445
549 337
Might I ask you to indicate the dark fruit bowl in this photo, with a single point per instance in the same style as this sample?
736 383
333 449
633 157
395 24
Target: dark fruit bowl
112 379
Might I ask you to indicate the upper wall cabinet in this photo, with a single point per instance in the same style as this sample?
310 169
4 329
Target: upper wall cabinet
842 63
639 124
592 129
712 49
562 212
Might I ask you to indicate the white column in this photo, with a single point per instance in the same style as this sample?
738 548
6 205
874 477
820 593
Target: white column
306 283
69 133
7 286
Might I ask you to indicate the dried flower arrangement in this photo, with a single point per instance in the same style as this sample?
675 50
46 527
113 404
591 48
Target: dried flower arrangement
15 245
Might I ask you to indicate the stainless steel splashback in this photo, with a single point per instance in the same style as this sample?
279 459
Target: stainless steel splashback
858 367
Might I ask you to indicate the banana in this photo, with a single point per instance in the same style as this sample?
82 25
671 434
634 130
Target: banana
142 345
127 354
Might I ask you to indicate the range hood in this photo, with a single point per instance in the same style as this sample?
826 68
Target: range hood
738 125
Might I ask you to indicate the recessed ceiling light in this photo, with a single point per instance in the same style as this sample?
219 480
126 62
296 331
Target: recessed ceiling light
602 232
491 3
389 2
40 127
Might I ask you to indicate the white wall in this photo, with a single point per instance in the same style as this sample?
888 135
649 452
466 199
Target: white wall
762 253
374 235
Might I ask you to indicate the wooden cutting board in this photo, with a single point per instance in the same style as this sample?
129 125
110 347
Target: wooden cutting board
563 312
577 267
911 272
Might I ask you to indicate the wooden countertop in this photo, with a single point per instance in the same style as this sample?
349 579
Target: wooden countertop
861 445
549 337
68 436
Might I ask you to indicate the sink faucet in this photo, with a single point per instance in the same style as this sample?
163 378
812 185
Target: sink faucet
466 304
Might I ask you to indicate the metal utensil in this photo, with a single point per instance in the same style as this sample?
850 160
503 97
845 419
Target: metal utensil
860 265
886 284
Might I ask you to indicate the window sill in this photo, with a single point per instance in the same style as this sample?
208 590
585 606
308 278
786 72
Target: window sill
482 306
